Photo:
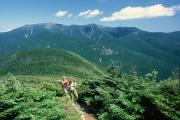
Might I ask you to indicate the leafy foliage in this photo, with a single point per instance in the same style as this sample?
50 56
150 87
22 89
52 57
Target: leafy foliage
167 98
114 96
131 97
20 102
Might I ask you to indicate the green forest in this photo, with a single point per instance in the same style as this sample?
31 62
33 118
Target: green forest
29 89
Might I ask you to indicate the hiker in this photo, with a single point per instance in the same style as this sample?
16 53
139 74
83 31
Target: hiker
64 86
73 92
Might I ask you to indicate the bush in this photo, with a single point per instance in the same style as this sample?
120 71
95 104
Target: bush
129 97
22 102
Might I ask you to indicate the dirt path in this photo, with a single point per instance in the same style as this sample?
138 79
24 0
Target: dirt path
86 116
85 113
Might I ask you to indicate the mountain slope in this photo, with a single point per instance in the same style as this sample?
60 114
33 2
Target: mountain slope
46 62
101 45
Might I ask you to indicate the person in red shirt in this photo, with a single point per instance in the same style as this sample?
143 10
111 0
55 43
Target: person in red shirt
64 86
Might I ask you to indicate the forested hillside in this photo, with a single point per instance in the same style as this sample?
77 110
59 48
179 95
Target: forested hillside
47 61
34 90
89 60
113 96
126 46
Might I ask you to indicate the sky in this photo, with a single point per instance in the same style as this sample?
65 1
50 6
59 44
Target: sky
147 15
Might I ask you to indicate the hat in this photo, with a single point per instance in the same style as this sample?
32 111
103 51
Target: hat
64 77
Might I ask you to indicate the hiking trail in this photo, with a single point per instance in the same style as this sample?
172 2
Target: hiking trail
85 113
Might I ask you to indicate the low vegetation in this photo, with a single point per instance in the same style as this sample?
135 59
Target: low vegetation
120 96
21 102
34 94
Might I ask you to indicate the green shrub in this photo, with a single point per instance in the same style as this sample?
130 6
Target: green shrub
21 102
129 97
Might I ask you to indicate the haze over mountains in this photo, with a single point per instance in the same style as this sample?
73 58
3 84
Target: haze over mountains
126 46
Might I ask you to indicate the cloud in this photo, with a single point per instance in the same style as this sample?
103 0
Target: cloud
84 13
61 13
89 13
102 0
69 15
94 13
140 12
7 30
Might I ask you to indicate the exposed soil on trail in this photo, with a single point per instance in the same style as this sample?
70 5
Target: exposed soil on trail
86 113
82 108
86 116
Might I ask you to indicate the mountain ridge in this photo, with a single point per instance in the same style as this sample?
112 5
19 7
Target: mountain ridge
46 61
128 46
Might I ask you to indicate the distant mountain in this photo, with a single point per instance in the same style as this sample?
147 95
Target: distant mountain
126 46
46 61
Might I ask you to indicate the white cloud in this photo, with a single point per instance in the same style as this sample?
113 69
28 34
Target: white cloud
7 30
140 12
94 13
89 13
61 13
102 0
69 15
83 13
4 29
